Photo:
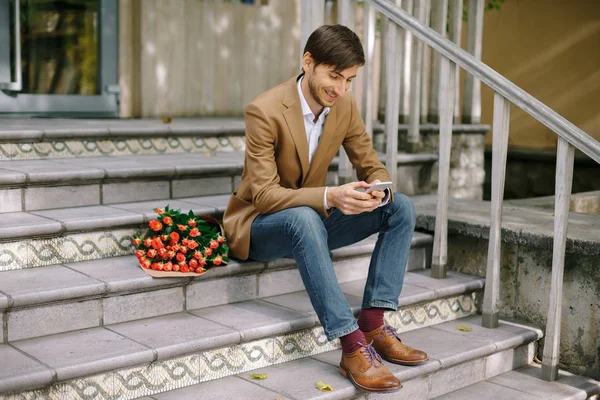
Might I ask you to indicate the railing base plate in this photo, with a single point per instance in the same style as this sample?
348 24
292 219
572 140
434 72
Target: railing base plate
490 320
549 373
438 271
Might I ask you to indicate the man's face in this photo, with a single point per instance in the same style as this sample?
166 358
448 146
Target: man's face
326 85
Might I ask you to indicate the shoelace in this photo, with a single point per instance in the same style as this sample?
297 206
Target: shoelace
387 331
371 355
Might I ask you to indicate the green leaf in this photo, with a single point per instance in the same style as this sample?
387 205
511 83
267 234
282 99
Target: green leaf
258 377
324 387
464 328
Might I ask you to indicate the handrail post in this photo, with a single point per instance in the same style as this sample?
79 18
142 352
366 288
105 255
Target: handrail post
415 84
407 55
393 96
346 15
472 98
439 16
455 15
491 296
564 181
446 108
368 70
426 70
312 16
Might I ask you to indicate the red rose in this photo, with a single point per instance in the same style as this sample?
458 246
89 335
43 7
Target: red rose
192 244
137 241
208 251
195 232
155 266
170 254
161 266
168 266
151 253
139 253
220 239
202 262
155 225
175 247
180 257
176 267
214 244
168 221
147 242
200 270
185 241
157 243
193 263
146 263
192 222
162 252
159 210
182 228
218 260
174 237
183 249
164 238
184 268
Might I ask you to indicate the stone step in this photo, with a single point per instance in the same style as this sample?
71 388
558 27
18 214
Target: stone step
151 355
47 237
457 359
29 139
525 384
58 298
60 183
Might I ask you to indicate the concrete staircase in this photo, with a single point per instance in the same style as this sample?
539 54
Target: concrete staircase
81 320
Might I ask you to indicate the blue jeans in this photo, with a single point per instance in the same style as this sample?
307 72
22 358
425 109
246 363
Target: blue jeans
303 234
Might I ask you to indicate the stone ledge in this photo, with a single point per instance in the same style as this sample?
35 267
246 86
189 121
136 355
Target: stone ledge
435 128
521 225
53 129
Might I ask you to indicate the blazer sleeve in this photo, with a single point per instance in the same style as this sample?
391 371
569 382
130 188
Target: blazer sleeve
268 196
359 147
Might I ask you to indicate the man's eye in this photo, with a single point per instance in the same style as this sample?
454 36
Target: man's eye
333 76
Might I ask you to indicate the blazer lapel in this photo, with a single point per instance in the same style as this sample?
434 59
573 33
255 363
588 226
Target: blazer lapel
295 122
324 143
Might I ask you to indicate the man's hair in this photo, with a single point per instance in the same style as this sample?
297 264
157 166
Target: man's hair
335 45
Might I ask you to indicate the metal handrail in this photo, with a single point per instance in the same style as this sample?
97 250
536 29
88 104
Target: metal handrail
538 110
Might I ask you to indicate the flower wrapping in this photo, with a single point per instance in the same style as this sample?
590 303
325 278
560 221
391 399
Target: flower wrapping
179 244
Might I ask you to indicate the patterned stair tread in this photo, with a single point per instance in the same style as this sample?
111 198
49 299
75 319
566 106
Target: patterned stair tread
98 169
456 359
46 130
525 384
118 275
253 327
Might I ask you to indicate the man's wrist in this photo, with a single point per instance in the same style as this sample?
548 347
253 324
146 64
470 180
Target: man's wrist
325 199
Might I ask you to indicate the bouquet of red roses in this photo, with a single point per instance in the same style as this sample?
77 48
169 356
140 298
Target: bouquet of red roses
179 243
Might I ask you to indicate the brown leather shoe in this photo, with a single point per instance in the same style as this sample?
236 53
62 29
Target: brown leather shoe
366 371
392 349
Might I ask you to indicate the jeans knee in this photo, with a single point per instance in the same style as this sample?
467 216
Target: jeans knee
304 220
404 209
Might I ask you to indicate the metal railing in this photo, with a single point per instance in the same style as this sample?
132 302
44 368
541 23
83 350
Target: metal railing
505 93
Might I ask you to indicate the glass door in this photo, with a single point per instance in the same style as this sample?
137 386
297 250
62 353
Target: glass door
59 58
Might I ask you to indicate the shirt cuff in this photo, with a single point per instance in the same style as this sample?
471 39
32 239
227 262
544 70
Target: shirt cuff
386 198
325 199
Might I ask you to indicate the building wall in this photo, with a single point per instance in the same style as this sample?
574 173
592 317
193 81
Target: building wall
551 49
203 58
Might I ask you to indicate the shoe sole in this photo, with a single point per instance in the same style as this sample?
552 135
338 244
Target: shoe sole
402 362
366 389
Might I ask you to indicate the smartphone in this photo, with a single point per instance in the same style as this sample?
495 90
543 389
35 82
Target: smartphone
379 186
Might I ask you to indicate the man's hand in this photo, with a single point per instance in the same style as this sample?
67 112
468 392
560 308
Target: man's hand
350 201
377 194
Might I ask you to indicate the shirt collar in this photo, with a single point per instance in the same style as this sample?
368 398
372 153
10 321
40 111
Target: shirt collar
305 107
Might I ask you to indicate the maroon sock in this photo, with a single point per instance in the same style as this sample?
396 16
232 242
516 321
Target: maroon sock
370 319
351 340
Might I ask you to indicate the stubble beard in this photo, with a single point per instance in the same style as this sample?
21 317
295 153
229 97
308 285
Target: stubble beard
312 88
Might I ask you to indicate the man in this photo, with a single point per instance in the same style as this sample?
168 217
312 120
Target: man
283 209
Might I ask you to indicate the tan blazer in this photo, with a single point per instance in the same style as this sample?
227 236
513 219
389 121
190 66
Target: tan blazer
277 174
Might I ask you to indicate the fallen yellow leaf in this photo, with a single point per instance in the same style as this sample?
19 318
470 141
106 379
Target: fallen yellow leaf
464 328
324 387
258 377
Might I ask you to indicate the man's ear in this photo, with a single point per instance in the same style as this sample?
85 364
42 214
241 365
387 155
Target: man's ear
307 62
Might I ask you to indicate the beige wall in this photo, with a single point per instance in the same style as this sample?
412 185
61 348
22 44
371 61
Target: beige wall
203 58
551 49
